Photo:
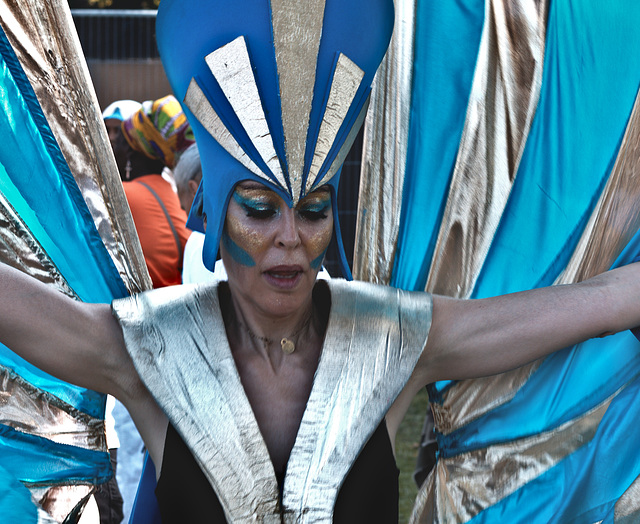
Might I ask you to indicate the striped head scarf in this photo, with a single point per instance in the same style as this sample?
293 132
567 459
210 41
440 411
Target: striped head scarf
159 129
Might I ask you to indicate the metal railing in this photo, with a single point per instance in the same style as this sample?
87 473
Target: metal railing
121 52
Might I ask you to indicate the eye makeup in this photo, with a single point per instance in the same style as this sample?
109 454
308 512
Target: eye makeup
256 203
315 207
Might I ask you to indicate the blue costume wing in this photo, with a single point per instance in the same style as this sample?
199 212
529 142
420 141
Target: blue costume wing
65 222
520 158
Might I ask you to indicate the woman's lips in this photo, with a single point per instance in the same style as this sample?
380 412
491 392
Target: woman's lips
283 277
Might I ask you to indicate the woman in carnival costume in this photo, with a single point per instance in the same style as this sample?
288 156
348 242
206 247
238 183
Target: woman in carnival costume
275 397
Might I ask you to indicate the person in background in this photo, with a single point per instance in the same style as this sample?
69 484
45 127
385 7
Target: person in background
115 114
151 140
187 175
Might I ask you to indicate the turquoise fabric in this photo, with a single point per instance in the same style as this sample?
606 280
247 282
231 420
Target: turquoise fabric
573 143
15 500
36 180
591 77
447 41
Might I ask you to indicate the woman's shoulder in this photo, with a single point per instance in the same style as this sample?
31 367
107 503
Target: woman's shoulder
164 300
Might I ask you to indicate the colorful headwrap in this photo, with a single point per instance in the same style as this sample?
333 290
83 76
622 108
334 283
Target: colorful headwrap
121 110
159 129
275 91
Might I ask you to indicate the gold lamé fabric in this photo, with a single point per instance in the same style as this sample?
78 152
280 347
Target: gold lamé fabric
374 338
441 498
30 410
503 99
459 487
44 39
386 132
617 213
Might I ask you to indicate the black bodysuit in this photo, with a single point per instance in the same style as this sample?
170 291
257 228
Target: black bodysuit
369 493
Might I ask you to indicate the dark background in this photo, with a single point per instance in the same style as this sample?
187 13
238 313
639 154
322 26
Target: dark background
114 4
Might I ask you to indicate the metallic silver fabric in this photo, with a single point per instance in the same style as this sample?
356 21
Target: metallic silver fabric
44 38
30 410
374 337
197 102
460 487
503 99
232 70
627 509
297 28
58 501
344 86
617 214
20 249
386 132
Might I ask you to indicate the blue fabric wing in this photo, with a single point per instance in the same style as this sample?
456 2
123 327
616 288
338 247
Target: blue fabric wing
37 183
590 81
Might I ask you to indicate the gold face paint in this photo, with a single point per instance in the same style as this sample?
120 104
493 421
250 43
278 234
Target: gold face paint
255 214
273 253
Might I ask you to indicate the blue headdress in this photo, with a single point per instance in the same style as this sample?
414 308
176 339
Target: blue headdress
275 90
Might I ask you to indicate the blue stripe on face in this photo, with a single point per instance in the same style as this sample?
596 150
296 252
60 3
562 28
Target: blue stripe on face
317 262
238 254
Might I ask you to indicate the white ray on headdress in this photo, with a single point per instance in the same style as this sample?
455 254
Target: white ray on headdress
198 104
297 29
344 86
231 67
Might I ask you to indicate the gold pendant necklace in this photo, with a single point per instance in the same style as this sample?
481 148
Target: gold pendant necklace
286 343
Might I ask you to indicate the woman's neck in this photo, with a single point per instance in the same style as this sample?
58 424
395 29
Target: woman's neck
269 335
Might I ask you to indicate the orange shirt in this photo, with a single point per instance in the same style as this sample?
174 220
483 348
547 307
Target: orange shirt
161 252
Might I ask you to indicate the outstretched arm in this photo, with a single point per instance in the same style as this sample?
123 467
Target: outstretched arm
473 338
79 343
74 341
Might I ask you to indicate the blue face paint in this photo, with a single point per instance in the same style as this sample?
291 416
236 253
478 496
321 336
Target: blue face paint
317 262
238 254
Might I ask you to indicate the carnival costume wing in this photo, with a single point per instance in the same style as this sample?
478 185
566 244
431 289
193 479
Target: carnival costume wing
65 221
517 166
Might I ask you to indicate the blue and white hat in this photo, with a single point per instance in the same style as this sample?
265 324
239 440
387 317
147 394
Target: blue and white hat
275 90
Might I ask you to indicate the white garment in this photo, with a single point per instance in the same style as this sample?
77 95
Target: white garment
193 269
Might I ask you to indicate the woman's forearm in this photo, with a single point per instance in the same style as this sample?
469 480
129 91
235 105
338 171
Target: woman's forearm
471 338
66 338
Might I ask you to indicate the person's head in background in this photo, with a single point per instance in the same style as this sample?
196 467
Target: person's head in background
152 138
187 175
113 116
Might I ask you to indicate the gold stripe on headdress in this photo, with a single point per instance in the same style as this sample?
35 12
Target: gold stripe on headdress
297 29
197 102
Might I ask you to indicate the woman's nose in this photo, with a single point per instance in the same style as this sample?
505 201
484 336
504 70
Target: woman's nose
288 234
